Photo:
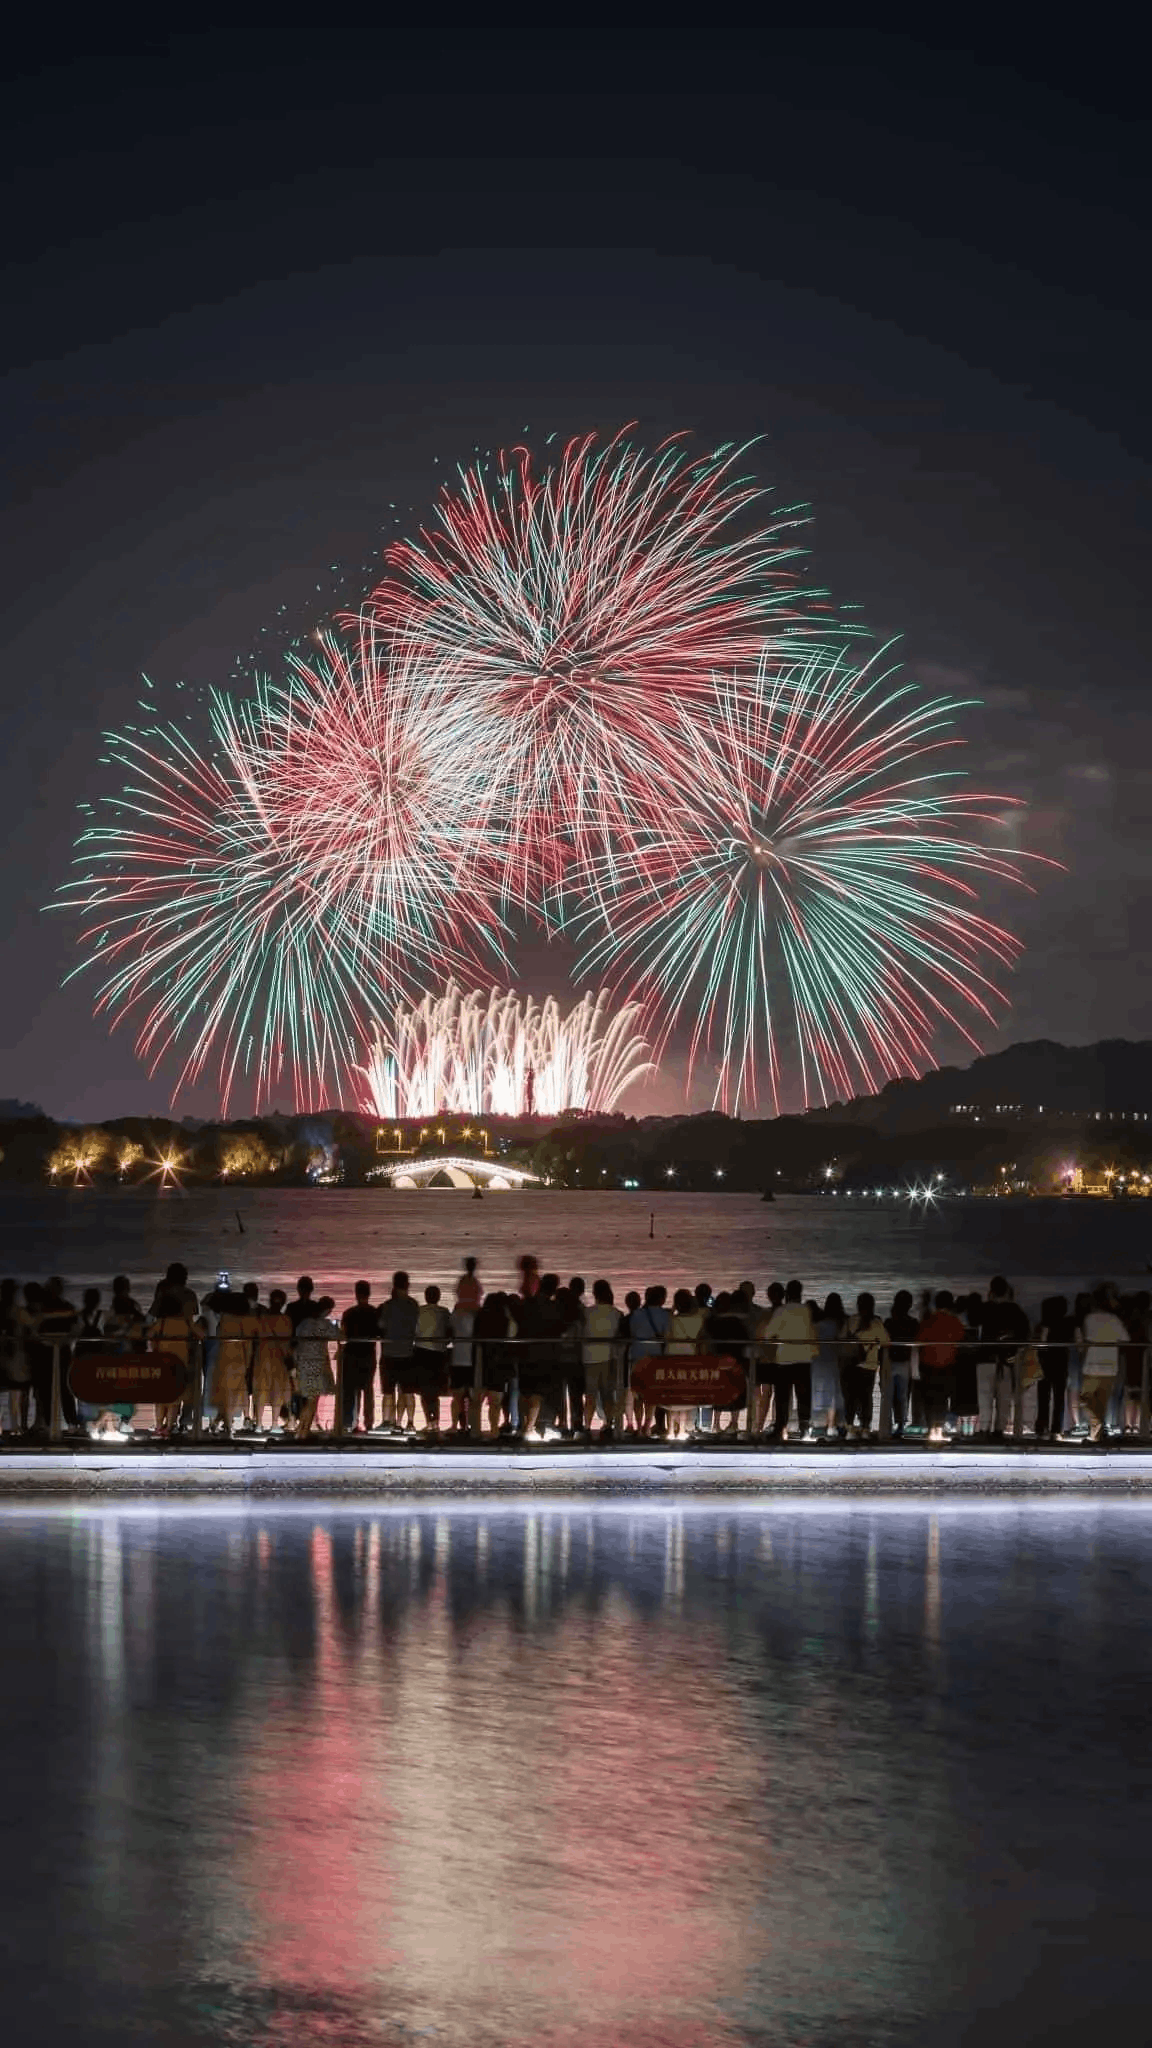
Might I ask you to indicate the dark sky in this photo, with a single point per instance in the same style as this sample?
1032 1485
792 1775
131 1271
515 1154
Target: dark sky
257 289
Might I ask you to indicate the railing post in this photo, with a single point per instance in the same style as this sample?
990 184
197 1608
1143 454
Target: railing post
338 1420
55 1413
1014 1369
752 1389
197 1350
885 1430
475 1406
1145 1396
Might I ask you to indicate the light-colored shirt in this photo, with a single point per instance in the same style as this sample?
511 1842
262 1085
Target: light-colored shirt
433 1327
789 1327
1102 1332
601 1325
684 1331
872 1338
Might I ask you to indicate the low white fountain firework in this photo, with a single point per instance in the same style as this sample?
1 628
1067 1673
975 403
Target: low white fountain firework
502 1054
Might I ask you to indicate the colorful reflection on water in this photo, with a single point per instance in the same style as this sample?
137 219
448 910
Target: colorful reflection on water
615 1774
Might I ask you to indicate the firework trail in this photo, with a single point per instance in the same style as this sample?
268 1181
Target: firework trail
578 604
250 904
501 1056
821 863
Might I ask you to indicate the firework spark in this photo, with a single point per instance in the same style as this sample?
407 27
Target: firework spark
578 603
385 796
503 1056
822 863
252 903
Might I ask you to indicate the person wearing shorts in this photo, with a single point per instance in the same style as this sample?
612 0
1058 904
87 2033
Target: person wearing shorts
1102 1334
461 1371
398 1378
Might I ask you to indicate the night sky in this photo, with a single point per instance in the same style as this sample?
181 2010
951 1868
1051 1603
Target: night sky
257 291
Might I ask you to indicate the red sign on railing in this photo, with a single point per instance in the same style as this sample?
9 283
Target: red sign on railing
688 1382
103 1377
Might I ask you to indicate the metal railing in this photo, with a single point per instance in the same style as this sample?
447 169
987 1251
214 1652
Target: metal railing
569 1361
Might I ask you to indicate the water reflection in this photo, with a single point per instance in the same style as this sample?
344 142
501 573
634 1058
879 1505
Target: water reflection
567 1774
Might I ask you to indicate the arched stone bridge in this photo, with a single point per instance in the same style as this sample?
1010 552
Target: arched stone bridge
457 1173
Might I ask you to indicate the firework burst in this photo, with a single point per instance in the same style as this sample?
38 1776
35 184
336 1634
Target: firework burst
596 692
577 604
820 870
385 797
248 905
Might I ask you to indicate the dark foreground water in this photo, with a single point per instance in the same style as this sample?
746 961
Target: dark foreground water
608 1774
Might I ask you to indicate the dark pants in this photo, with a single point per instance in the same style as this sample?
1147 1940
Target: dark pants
359 1383
432 1369
787 1379
859 1386
1050 1390
936 1389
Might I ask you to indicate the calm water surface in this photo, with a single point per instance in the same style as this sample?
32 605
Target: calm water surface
342 1235
628 1775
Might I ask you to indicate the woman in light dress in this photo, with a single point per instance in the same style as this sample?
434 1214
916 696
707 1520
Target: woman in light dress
174 1330
237 1334
271 1385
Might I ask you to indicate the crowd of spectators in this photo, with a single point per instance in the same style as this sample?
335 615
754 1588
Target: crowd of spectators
545 1358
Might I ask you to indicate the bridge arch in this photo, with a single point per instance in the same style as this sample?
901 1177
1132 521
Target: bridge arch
458 1172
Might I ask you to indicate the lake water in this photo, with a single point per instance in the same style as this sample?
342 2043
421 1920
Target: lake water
342 1235
589 1776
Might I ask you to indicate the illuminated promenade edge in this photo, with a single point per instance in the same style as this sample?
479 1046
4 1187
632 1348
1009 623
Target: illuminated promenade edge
659 1471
